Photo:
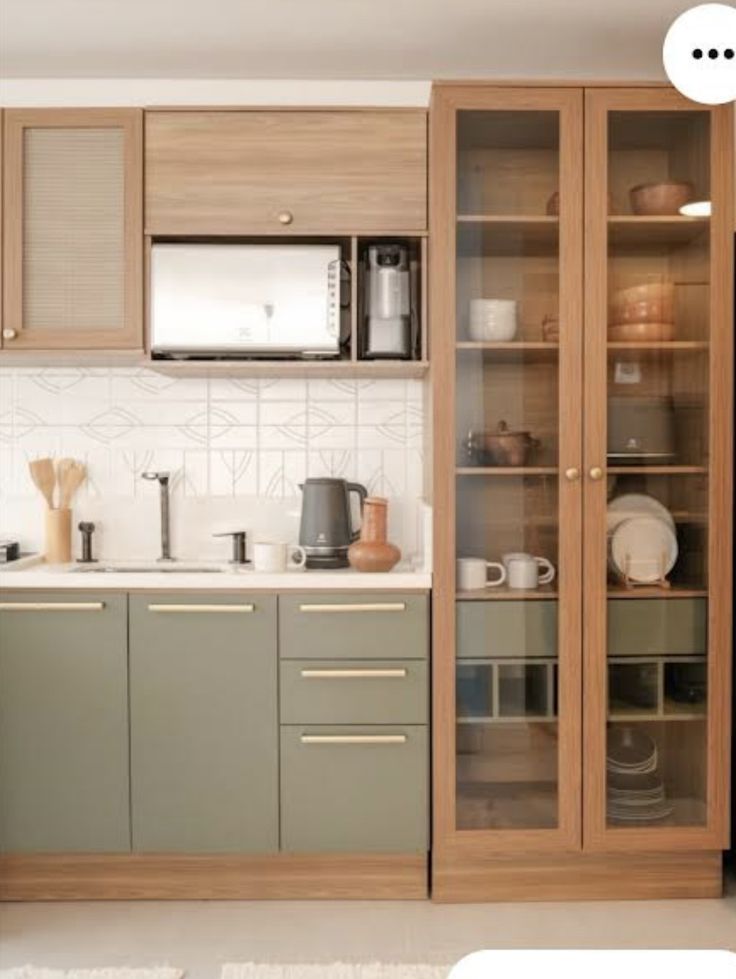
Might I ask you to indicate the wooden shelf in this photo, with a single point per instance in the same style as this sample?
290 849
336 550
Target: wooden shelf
510 351
508 234
656 470
647 591
506 471
637 229
656 346
291 368
510 719
506 594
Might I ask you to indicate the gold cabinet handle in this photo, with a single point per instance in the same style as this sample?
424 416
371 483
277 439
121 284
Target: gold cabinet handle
52 606
596 473
226 609
358 607
10 334
353 739
360 673
286 217
572 474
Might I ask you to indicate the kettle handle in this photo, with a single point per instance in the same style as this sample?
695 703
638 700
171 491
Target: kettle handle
362 494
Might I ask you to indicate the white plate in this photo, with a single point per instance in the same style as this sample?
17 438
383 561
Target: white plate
644 549
631 505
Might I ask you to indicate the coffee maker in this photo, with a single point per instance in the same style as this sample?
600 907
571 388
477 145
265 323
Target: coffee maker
388 303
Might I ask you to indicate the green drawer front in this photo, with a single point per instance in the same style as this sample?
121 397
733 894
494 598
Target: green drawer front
359 625
498 629
358 692
204 723
657 626
356 794
64 722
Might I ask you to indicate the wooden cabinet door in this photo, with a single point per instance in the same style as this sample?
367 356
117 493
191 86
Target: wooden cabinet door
204 723
73 266
506 216
63 723
657 458
286 172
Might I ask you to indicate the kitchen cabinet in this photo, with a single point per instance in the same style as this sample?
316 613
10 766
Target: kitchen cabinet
285 172
582 401
73 244
63 722
203 723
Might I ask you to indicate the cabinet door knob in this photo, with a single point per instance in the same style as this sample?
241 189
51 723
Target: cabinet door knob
572 474
9 334
596 473
286 217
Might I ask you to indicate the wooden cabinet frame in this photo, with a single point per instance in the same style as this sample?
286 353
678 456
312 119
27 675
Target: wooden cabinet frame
130 333
714 835
583 857
449 844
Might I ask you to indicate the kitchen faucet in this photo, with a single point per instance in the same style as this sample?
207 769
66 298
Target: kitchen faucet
163 481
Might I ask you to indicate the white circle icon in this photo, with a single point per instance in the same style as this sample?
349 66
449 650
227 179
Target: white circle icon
699 53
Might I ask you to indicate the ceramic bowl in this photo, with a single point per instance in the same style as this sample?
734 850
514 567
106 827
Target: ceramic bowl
649 302
666 197
492 320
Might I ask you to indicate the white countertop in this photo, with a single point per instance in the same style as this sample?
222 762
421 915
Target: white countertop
35 574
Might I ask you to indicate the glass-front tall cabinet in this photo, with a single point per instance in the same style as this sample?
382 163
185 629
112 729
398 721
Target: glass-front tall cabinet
581 347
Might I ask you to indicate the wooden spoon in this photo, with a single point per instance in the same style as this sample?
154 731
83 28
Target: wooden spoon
43 475
70 475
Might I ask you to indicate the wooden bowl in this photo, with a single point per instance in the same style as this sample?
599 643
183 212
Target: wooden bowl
666 197
650 302
643 332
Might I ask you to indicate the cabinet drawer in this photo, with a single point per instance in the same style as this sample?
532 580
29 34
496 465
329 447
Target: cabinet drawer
358 692
498 629
258 172
657 626
359 625
354 789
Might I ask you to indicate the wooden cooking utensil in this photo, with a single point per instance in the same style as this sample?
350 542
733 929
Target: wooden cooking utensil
70 476
44 477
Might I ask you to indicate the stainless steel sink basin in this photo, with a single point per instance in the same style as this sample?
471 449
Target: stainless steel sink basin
162 568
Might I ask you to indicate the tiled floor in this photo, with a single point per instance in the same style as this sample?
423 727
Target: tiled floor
201 936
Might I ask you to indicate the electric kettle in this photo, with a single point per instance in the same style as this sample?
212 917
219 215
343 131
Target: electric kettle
326 529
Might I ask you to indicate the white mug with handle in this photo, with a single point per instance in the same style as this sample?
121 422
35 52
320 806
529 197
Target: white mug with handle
275 557
472 573
526 572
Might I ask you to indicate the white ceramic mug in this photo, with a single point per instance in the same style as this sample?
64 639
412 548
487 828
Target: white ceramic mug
492 320
273 557
523 570
472 573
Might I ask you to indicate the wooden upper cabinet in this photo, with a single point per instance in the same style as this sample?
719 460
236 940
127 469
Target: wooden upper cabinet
73 262
286 172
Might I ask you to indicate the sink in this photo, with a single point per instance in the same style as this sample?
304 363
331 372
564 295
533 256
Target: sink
162 568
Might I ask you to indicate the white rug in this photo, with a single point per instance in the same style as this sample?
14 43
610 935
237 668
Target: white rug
33 972
334 970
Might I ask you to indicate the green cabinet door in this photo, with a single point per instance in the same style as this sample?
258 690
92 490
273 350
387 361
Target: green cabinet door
204 723
63 722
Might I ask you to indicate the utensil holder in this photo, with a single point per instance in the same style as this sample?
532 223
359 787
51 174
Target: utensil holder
58 536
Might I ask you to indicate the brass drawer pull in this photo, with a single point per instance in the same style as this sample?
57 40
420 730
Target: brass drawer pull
366 607
377 674
353 739
237 609
52 606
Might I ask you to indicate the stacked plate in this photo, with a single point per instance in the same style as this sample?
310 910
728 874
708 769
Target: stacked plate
636 793
642 539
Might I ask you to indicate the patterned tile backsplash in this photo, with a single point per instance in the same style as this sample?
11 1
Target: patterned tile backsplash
222 438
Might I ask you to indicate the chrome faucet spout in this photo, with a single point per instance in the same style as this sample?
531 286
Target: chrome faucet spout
163 482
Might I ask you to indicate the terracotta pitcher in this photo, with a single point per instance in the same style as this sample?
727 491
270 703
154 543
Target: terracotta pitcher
373 552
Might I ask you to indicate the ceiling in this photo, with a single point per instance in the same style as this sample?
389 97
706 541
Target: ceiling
367 39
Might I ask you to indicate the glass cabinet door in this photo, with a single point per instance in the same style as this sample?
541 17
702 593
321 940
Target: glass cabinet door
508 485
658 350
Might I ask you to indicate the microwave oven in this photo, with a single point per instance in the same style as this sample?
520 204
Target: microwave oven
229 300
